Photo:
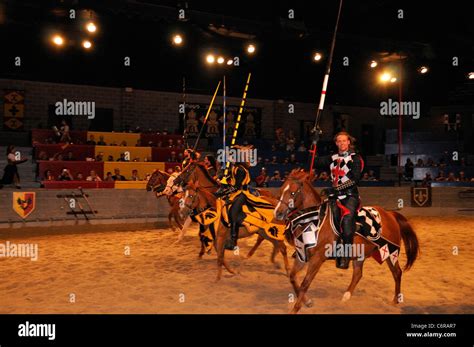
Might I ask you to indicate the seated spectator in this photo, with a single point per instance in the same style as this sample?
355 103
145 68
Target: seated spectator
267 162
65 175
99 157
293 160
290 141
287 174
43 156
113 143
286 161
365 177
419 163
323 176
58 157
173 158
442 164
180 157
274 160
427 180
110 158
276 176
108 177
135 176
430 163
69 156
179 144
372 176
79 176
48 176
118 176
302 147
122 157
451 177
101 141
123 143
259 161
170 143
139 143
409 169
93 177
441 177
165 132
91 141
262 179
462 177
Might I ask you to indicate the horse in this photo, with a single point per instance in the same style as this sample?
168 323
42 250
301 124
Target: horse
158 184
211 213
298 193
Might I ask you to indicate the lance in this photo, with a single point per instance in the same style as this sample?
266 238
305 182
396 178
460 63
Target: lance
224 124
234 135
185 135
316 131
207 115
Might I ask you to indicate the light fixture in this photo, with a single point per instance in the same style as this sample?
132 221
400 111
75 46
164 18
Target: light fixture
91 27
230 62
385 77
210 59
58 40
177 39
220 60
86 44
373 64
393 80
470 75
251 48
423 69
317 56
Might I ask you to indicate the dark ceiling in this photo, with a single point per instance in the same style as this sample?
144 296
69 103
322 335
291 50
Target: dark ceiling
431 34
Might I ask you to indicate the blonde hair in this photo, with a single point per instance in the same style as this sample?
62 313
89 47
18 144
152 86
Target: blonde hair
349 136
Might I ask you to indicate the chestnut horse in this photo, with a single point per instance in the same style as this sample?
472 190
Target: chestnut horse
298 192
202 200
157 184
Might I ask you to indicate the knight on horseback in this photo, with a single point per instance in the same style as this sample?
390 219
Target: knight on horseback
346 167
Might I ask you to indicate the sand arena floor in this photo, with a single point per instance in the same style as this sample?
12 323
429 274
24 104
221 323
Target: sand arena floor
160 277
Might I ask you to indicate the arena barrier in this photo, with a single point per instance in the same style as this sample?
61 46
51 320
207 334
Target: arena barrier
53 207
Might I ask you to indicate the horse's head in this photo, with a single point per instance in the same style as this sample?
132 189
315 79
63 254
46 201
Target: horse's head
294 192
157 181
190 200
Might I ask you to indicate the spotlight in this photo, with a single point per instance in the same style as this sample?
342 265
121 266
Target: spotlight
210 59
393 80
385 77
317 56
220 60
91 27
58 40
251 49
470 75
373 64
423 69
230 62
177 39
86 44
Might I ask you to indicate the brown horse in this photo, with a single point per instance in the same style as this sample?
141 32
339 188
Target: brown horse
197 172
298 192
157 184
202 200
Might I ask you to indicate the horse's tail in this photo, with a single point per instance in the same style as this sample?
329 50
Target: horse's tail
410 240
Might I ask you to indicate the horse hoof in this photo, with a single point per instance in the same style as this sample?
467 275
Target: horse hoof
277 266
309 303
346 296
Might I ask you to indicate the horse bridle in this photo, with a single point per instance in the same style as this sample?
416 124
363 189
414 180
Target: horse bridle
190 207
294 195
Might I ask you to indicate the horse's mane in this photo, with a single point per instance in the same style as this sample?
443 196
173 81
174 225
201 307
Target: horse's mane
210 198
203 169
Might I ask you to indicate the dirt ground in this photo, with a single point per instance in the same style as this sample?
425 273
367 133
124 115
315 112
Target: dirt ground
91 273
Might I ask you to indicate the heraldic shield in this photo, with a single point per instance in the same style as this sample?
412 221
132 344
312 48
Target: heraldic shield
24 203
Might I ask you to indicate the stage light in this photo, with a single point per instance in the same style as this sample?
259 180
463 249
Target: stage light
470 75
317 56
210 59
58 40
91 27
393 80
86 44
385 77
373 64
251 49
177 39
220 60
423 69
230 62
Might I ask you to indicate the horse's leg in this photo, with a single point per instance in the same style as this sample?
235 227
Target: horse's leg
254 248
313 267
297 267
187 222
397 276
220 253
276 248
282 248
357 266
